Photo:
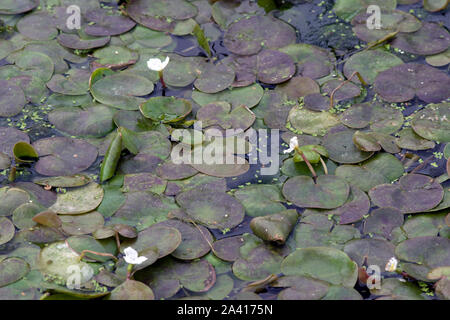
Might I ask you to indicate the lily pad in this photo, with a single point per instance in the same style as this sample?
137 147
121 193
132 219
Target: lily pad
408 139
119 90
347 9
73 41
12 270
247 96
328 193
220 113
357 206
169 275
312 122
413 193
87 223
274 67
249 36
114 57
12 99
433 122
322 263
214 210
75 83
260 199
79 200
11 198
275 227
37 26
90 121
439 60
428 40
132 290
63 156
370 251
214 78
370 63
143 182
16 7
382 221
382 168
7 230
76 180
166 109
299 87
341 148
403 82
102 23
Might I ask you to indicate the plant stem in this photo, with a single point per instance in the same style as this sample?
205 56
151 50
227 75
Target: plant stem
161 78
356 73
313 172
12 174
129 269
325 169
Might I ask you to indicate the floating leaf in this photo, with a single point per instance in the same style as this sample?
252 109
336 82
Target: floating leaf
11 198
312 122
413 193
274 67
24 152
214 210
322 263
132 290
370 251
102 23
12 99
260 199
79 200
408 139
403 82
12 270
166 109
112 156
382 221
433 122
329 192
87 223
76 180
275 227
7 230
341 148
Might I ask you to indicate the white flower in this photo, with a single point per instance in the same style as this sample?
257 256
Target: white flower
391 266
292 145
131 256
156 65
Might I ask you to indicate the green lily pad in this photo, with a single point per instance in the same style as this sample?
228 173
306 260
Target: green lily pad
87 223
291 168
12 99
79 200
300 288
214 210
276 226
143 182
181 71
312 122
114 57
75 83
248 36
375 141
247 96
11 198
227 249
408 139
85 242
135 121
428 40
439 60
328 193
73 41
102 23
230 166
214 78
370 63
357 205
391 21
370 251
5 161
24 152
312 61
167 276
347 9
382 168
37 26
257 260
90 121
322 263
433 122
143 209
60 261
160 15
432 252
36 64
274 67
16 7
172 171
196 240
348 91
220 113
393 289
132 290
48 218
382 221
119 90
299 87
150 38
413 193
12 270
316 102
316 230
342 293
166 109
7 230
63 156
341 148
435 5
76 180
260 199
22 215
403 82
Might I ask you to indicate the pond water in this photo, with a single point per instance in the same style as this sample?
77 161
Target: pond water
321 256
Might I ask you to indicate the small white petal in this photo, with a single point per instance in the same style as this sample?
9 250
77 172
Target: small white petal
130 253
156 65
292 145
